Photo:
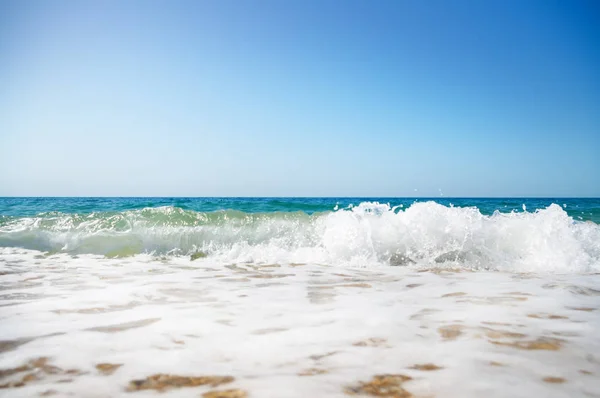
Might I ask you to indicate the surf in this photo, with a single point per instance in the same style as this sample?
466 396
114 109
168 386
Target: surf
423 234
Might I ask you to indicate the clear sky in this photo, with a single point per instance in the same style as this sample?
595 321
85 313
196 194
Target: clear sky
300 98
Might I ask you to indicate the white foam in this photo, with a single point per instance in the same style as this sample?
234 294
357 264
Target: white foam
429 234
425 234
266 325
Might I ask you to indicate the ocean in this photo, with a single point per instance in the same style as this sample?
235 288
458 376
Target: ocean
298 297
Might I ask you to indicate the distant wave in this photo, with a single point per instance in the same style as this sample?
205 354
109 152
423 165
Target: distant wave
425 234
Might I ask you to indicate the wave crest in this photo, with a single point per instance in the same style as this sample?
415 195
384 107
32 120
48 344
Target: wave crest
425 234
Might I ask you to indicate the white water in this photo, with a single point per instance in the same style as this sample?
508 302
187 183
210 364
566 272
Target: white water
306 330
424 235
292 305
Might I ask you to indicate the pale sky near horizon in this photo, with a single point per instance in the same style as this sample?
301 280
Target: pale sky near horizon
300 98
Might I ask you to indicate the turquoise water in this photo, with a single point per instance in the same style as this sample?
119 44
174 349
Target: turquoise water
476 233
578 208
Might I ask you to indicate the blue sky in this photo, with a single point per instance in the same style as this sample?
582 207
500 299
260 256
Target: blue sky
300 98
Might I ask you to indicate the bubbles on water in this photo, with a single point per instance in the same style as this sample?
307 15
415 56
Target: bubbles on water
424 234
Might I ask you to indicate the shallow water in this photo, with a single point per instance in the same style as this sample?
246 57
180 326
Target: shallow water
365 234
291 330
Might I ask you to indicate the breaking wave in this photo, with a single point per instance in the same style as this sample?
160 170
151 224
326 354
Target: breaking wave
426 234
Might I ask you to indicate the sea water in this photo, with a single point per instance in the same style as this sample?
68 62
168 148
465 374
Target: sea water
298 297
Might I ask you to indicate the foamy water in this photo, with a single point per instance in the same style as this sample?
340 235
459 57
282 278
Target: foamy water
292 330
370 234
426 300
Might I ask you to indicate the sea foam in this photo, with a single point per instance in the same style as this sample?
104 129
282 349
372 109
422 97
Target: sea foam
423 235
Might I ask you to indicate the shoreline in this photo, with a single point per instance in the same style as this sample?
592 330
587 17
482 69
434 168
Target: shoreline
100 327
